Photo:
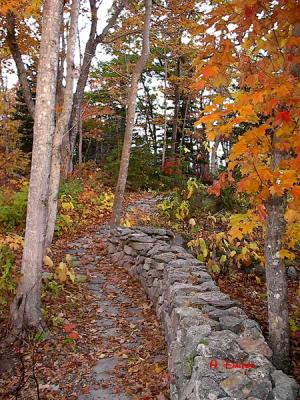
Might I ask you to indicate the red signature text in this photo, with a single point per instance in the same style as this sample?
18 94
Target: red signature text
214 364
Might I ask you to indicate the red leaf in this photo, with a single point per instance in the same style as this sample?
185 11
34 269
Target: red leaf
73 335
249 12
215 189
261 212
69 327
283 116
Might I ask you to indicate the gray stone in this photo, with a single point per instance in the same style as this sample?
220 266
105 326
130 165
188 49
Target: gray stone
128 250
216 314
222 345
217 299
138 246
286 388
164 257
292 273
237 385
231 323
104 394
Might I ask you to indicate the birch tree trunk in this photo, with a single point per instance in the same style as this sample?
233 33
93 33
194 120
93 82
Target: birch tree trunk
25 310
132 97
62 124
214 157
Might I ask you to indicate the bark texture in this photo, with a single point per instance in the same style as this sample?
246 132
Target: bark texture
277 283
132 97
62 124
26 306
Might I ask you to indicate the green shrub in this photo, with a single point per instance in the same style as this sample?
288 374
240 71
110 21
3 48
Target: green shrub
7 284
71 189
143 172
13 209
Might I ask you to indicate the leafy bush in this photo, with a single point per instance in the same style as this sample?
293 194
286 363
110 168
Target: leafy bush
71 188
13 209
7 283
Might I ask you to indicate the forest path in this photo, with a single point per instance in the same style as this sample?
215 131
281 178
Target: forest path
131 351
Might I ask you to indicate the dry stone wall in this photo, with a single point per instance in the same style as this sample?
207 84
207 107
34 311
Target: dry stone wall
215 350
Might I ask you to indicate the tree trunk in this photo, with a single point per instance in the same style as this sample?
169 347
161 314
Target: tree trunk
277 288
164 150
176 112
62 124
89 53
25 310
11 41
80 143
132 96
214 158
277 283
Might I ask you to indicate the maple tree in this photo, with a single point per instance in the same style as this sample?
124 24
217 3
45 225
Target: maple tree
252 58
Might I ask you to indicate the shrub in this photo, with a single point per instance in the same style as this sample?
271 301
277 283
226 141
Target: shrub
13 209
7 283
72 189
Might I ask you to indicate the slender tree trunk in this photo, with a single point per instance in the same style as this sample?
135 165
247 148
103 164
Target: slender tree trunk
176 112
61 68
132 96
184 123
277 288
214 158
80 143
165 115
62 124
11 41
25 310
275 272
277 283
89 53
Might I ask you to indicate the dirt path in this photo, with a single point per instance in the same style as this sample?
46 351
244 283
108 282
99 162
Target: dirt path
130 346
105 341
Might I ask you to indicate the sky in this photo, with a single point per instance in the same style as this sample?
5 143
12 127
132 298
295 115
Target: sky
84 26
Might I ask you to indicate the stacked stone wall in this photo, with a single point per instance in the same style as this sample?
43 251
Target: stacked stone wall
215 350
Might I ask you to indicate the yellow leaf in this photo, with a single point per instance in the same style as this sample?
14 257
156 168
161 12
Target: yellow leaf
291 216
69 258
158 368
283 253
192 222
47 261
61 272
71 274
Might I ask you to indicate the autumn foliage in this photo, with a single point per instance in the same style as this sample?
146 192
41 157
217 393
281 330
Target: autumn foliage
253 79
